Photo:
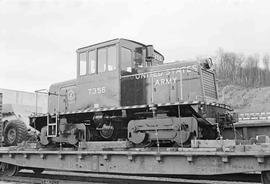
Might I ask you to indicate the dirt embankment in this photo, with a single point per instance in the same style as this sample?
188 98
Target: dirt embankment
246 99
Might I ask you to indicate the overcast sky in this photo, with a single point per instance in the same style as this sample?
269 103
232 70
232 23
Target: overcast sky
38 38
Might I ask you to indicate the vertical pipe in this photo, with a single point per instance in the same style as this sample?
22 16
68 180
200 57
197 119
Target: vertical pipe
57 114
181 85
152 91
179 116
36 96
48 122
58 101
181 98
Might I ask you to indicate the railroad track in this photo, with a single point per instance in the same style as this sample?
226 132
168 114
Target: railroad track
55 177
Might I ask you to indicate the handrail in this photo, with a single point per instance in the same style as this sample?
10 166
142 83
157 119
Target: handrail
158 71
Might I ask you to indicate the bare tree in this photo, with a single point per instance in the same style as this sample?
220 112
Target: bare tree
234 68
266 77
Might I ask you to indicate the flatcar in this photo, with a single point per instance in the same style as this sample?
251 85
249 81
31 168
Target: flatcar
128 111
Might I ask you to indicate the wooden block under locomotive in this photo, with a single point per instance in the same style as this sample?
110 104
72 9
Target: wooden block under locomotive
125 91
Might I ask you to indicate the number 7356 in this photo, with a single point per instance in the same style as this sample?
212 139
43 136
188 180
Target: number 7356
99 90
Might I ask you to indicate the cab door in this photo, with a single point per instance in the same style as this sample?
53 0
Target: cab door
133 91
98 79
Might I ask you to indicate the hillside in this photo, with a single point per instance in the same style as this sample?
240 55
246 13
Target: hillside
246 99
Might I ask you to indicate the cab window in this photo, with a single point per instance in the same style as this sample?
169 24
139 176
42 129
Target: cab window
102 57
92 62
83 63
111 58
126 59
107 59
138 60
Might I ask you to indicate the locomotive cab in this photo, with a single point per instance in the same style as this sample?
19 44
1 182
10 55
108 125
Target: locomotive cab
122 72
99 70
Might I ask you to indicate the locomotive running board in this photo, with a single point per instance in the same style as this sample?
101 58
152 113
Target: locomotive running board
102 109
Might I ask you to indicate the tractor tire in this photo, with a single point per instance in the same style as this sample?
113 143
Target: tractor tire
15 132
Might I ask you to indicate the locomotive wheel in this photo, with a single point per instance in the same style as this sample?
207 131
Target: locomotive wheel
108 132
38 171
145 144
15 132
8 169
265 177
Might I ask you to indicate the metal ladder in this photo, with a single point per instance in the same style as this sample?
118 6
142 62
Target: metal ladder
52 125
52 120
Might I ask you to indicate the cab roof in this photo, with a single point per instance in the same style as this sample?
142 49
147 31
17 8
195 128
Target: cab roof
109 42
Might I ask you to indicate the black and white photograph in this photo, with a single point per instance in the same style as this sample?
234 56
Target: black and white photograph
134 91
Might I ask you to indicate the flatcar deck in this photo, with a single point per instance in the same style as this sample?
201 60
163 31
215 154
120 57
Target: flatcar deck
172 161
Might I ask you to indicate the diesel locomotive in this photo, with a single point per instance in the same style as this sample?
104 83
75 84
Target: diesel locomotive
125 91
